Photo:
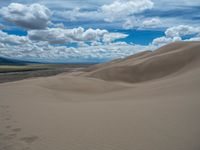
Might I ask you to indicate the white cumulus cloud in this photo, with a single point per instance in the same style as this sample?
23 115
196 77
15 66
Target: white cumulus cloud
108 38
61 36
181 30
165 40
177 33
34 16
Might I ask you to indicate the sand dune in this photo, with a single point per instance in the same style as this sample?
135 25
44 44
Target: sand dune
150 65
156 108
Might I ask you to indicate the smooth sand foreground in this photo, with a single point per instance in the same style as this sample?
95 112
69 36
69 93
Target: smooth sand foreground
76 112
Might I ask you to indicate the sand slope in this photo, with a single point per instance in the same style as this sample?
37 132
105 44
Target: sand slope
75 112
150 65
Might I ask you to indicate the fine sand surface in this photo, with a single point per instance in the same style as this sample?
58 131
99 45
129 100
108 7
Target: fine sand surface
149 101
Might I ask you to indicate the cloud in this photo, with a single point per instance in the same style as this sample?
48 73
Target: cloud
12 39
130 23
177 33
120 9
151 23
93 35
80 15
181 30
141 23
56 35
61 36
34 16
115 11
43 52
165 40
22 48
47 27
94 14
194 39
108 38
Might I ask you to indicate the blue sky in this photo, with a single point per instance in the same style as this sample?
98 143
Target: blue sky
93 31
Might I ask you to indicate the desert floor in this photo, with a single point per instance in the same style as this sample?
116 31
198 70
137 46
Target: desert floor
65 112
70 111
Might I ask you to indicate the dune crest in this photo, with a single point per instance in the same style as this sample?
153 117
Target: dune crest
148 65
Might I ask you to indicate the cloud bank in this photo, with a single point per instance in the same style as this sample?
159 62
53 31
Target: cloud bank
62 36
176 33
50 38
23 47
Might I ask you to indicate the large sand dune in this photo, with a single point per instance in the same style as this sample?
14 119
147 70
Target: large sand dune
156 108
150 65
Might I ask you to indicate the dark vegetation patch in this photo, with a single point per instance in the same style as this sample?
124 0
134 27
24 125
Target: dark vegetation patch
10 73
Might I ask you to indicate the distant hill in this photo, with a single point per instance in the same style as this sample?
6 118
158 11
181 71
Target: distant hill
8 61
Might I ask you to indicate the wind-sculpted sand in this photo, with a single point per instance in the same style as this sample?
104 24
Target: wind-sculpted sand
149 101
147 66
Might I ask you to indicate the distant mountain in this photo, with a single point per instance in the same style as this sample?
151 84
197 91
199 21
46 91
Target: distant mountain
8 61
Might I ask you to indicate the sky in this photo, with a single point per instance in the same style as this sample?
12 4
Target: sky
93 30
